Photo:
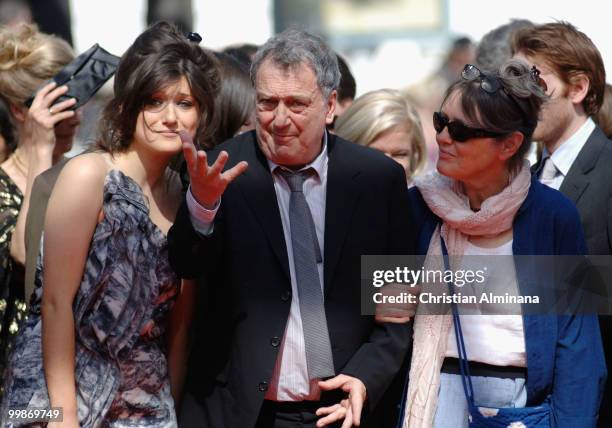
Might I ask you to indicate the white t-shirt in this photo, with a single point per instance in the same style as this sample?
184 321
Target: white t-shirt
492 339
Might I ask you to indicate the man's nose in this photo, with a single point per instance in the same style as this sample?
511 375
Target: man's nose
281 116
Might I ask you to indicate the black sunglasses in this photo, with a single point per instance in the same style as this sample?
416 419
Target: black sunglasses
458 131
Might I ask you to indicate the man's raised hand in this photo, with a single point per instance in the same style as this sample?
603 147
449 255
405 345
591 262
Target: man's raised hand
208 182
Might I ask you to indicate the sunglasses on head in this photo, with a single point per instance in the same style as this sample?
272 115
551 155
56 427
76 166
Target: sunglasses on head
488 83
535 75
193 37
458 131
492 84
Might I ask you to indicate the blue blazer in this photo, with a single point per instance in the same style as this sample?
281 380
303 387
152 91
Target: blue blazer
564 353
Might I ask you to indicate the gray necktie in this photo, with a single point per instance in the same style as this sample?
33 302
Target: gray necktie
306 253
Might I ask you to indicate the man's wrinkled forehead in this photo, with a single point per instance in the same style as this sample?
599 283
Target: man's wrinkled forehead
286 68
286 71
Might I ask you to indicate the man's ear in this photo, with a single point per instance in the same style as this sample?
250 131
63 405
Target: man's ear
510 145
331 107
18 112
578 88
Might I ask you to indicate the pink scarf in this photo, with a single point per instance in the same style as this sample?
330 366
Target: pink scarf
444 197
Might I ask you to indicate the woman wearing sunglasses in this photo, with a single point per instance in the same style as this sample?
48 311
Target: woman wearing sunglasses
482 201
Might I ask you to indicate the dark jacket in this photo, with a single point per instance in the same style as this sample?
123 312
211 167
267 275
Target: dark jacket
243 309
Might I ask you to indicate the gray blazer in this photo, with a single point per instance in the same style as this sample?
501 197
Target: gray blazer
589 185
35 221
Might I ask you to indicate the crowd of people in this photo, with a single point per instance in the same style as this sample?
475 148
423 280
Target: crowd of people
200 264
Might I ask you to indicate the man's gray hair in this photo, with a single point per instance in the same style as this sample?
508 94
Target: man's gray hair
494 48
293 47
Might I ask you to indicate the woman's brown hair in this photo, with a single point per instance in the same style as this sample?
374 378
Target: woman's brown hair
161 55
235 104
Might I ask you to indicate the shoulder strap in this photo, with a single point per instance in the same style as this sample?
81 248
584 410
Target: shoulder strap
466 379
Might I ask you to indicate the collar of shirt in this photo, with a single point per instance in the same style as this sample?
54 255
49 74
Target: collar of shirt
319 164
566 153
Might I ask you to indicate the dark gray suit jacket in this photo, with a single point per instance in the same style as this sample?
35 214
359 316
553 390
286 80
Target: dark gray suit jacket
589 185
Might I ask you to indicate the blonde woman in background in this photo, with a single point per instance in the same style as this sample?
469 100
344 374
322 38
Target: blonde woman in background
386 121
44 132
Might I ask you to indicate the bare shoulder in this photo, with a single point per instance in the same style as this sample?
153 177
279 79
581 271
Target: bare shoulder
85 170
80 184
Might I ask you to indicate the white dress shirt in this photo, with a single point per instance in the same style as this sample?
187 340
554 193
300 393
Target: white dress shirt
290 377
567 152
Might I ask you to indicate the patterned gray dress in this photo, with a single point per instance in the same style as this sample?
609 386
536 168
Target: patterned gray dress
120 314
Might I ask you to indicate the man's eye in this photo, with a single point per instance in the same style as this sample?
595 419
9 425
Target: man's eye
266 104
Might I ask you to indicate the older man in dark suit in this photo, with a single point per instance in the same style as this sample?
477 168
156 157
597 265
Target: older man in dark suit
277 226
577 155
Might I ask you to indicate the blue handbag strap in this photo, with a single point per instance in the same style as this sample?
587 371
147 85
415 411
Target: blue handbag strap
464 366
466 379
402 406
